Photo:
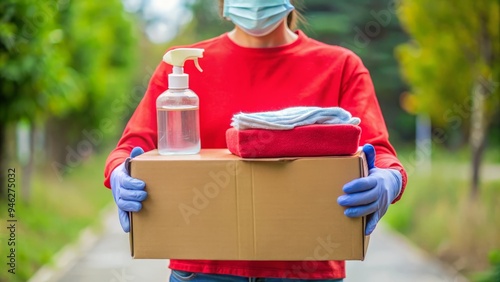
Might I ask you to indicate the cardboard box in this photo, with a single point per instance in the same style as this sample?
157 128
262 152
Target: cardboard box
218 206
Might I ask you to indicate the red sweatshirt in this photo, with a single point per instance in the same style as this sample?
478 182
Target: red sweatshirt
303 73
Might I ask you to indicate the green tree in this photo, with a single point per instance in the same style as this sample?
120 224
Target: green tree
33 74
100 42
452 66
66 62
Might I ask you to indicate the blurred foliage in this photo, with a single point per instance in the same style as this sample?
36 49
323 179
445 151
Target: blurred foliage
101 42
455 47
34 75
65 62
492 275
453 68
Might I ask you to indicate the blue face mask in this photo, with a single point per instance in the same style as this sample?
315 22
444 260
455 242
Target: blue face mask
257 17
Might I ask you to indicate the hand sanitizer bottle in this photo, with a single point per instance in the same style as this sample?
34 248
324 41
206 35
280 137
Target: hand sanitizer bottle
178 107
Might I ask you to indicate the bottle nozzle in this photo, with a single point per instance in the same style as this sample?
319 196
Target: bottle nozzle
177 57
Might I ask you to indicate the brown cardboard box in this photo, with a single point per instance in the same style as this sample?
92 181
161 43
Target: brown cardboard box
218 206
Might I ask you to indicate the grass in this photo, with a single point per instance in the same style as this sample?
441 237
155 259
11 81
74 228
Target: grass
438 214
56 214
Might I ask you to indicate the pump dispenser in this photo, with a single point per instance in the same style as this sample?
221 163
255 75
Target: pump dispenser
178 107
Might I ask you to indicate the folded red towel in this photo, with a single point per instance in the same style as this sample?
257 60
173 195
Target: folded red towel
302 141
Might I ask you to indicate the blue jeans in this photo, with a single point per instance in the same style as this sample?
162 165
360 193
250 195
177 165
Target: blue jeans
182 276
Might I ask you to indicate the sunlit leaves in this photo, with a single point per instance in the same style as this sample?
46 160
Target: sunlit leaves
455 45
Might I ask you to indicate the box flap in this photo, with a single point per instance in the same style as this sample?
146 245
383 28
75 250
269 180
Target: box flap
204 155
295 215
220 154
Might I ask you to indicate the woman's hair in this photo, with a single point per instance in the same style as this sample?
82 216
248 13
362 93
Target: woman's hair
293 20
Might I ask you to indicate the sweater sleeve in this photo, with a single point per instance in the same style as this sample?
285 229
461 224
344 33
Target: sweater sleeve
359 98
140 130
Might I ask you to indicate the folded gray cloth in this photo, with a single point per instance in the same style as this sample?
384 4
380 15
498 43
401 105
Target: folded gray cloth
290 118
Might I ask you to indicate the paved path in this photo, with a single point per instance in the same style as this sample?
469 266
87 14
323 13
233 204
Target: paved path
390 258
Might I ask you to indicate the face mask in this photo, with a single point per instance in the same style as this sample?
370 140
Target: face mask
257 17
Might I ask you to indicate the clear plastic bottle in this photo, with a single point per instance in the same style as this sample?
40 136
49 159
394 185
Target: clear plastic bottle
178 107
178 122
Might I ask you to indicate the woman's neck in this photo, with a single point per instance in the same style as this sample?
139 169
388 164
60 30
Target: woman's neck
282 35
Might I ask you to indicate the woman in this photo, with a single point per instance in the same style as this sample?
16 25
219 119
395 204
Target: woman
263 65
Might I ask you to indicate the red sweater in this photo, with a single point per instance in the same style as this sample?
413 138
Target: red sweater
303 73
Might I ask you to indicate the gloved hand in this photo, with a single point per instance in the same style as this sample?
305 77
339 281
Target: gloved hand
128 192
371 195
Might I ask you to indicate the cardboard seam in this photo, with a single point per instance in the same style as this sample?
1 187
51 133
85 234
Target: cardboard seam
238 214
353 243
253 214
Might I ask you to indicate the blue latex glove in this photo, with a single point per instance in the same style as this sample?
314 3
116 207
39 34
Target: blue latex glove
371 195
128 192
